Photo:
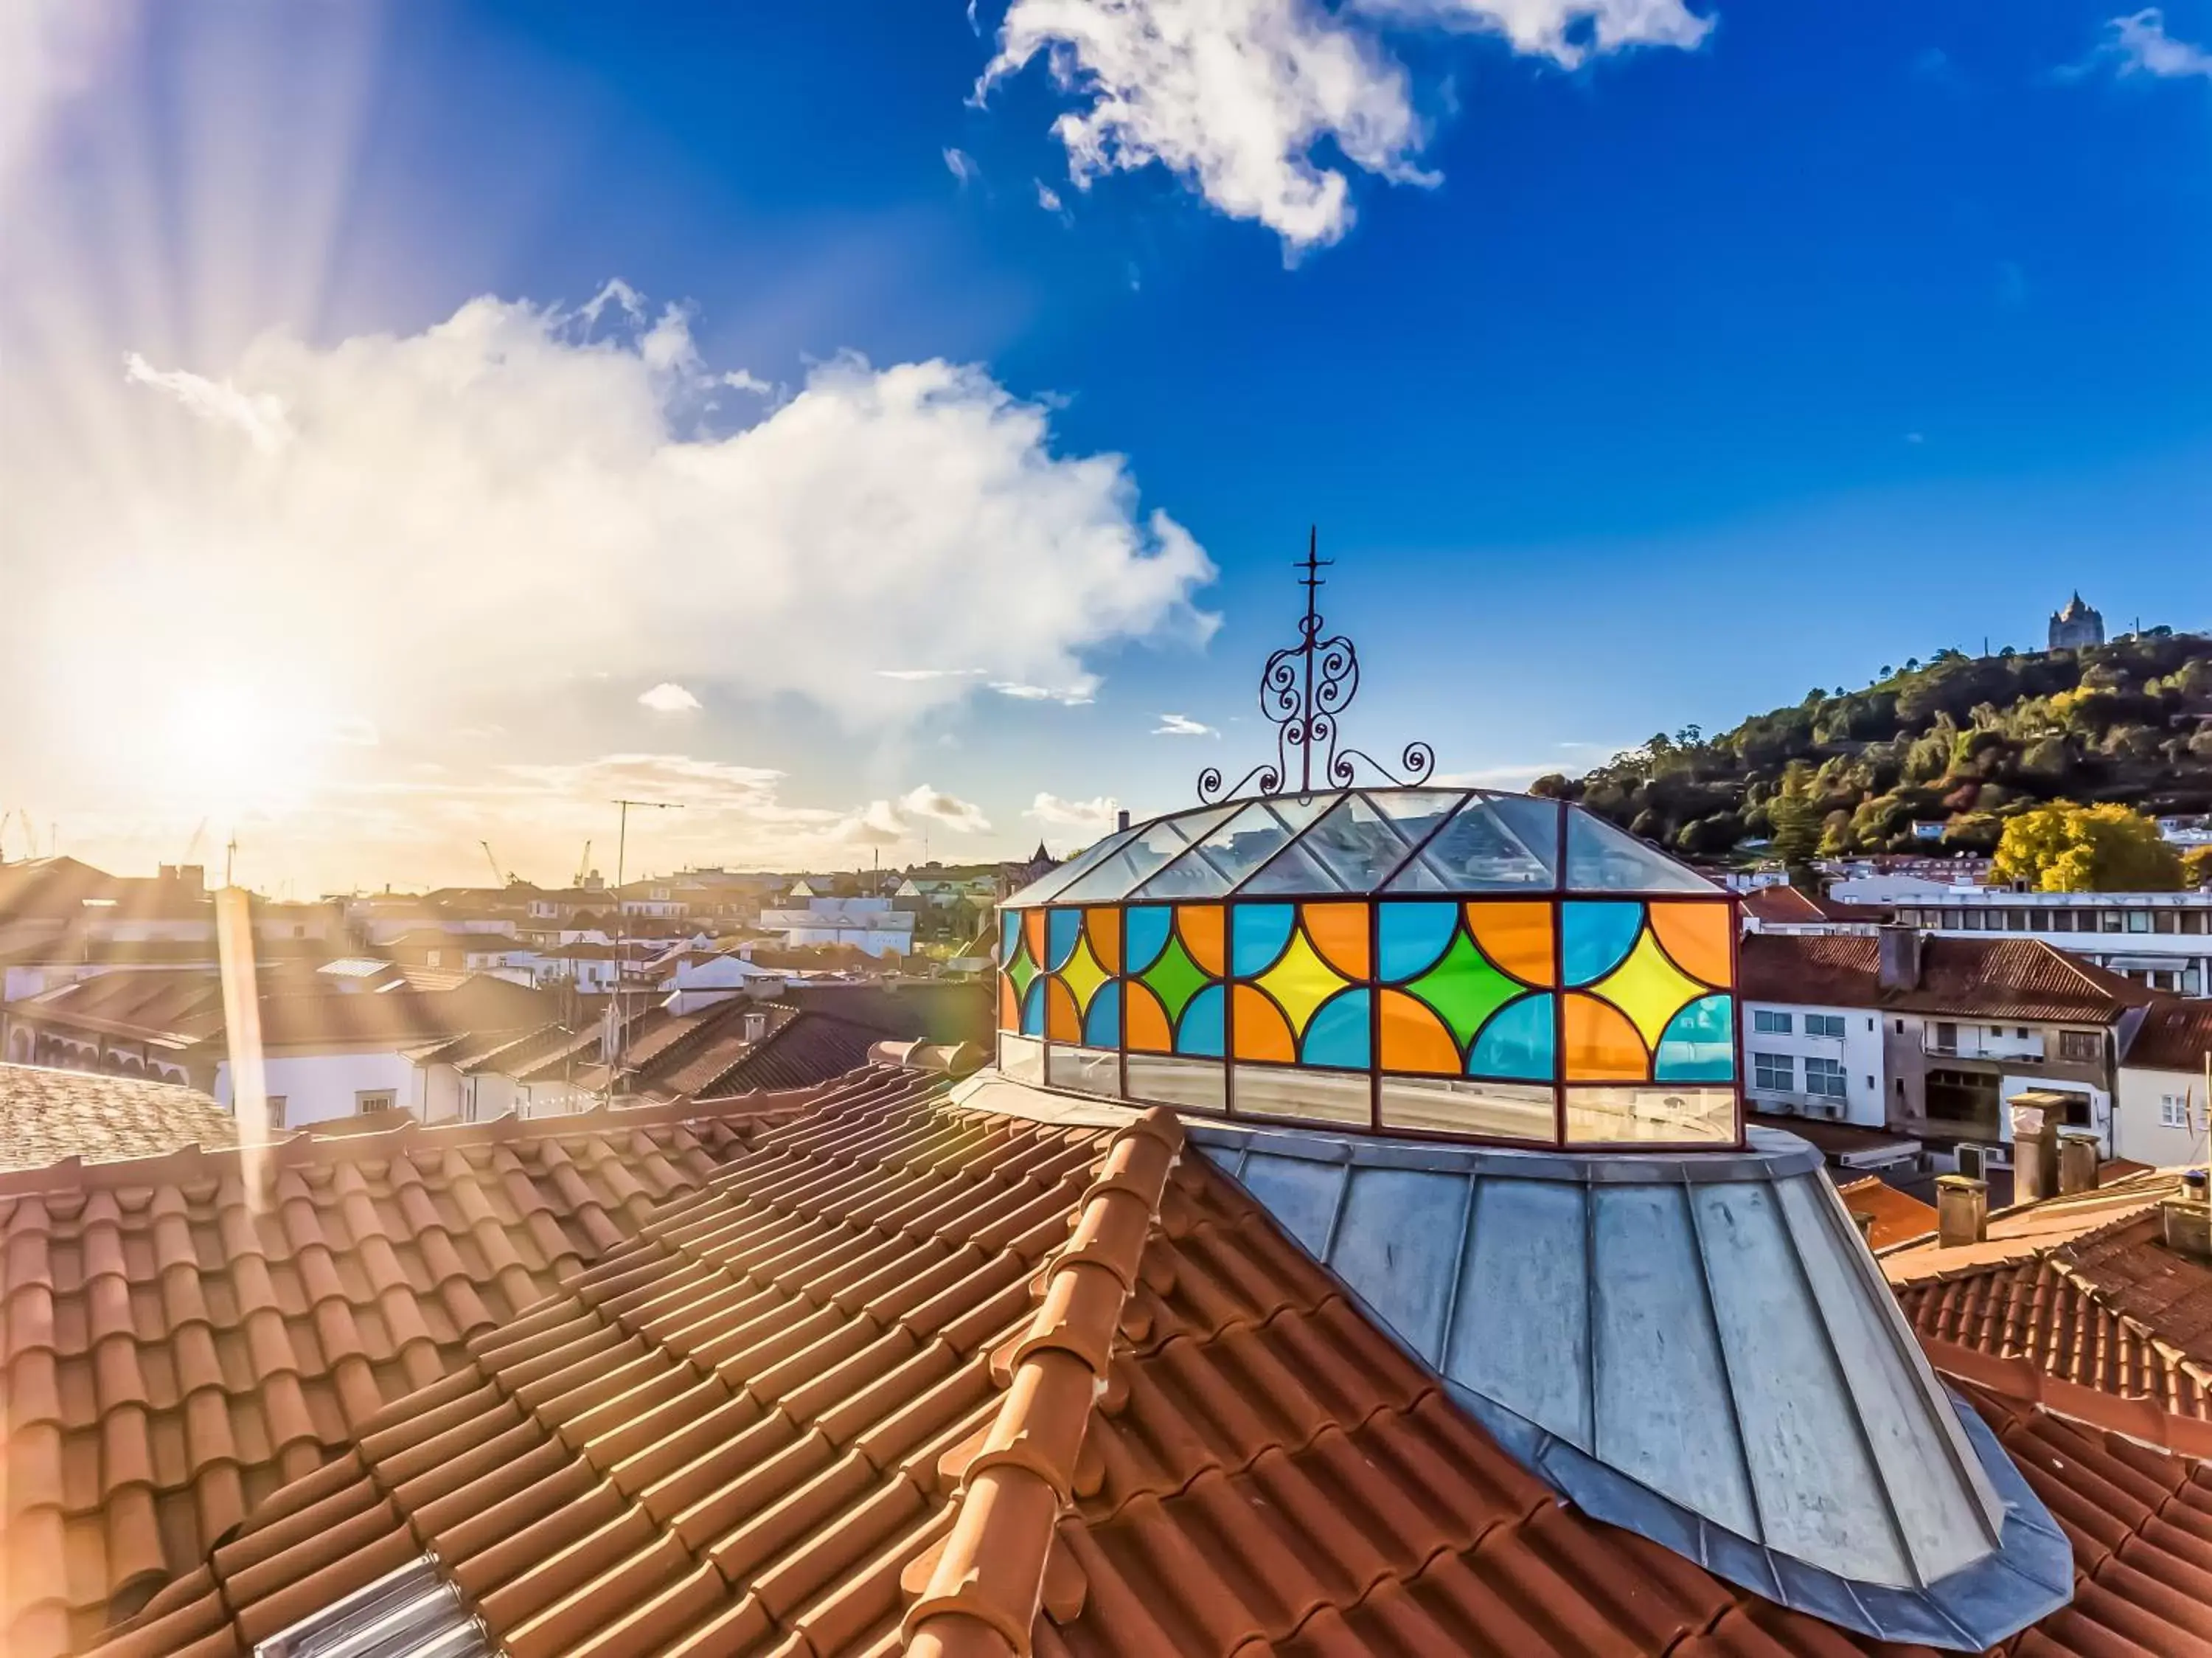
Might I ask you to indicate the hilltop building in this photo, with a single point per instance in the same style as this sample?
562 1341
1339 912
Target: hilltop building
2076 627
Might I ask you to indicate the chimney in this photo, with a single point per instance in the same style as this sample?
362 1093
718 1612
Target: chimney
2188 1218
1899 968
2079 1155
1962 1211
2035 1118
1121 818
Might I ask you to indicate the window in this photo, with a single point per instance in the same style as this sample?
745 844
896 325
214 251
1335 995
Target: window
2138 921
1769 1023
2166 921
2062 921
2021 1030
1774 1073
2195 921
2174 1110
1824 1024
1900 1027
1947 1037
369 1100
2108 921
1824 1077
2081 1047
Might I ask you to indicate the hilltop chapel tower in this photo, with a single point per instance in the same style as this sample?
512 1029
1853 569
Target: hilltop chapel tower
2077 626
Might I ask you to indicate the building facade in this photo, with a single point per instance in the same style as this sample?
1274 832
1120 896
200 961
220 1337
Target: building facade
2162 940
2076 627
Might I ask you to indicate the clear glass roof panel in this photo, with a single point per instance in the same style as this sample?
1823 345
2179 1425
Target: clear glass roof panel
1236 848
1603 859
1137 859
1483 850
1044 886
1349 849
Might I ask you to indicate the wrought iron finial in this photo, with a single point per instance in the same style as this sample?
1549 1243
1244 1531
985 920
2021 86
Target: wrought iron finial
1305 688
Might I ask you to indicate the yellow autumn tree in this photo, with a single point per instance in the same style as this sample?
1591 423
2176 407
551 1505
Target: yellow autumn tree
2066 848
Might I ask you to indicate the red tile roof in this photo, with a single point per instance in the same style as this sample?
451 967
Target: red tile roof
173 1355
48 1115
2173 1036
1898 1215
912 1377
1993 979
1785 905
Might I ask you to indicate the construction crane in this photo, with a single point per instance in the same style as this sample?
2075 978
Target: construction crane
583 866
497 879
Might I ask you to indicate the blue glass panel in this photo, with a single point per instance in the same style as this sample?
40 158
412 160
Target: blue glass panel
1009 935
1258 933
1033 1008
1413 936
1339 1033
1061 928
1516 1042
1102 1025
1595 937
1144 935
1699 1044
1201 1030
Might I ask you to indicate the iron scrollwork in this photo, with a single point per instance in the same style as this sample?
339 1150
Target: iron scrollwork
1305 688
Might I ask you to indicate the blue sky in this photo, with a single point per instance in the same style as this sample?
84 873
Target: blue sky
1667 376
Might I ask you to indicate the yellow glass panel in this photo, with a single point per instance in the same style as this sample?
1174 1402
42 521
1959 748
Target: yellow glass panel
1261 1032
1648 987
1301 981
1601 1046
1699 937
1083 975
1340 933
1516 937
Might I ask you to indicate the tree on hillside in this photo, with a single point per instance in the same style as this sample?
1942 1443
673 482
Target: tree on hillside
2065 848
2196 867
1796 820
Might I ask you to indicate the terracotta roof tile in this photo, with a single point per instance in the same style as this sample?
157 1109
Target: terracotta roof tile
2173 1036
172 1355
48 1115
1020 1387
1995 978
1899 1217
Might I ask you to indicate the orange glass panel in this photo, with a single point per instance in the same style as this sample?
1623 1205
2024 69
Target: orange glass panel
1516 937
1147 1021
1601 1046
1063 1022
1104 927
1010 1006
1339 931
1203 929
1262 1032
1414 1039
1698 936
1033 935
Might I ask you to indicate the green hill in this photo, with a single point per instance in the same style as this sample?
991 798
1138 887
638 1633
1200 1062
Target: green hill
1963 739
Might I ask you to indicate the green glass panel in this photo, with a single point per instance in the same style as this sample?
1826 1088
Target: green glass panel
1021 970
1174 978
1465 990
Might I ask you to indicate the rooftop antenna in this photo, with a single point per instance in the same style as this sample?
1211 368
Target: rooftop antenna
618 1028
1305 688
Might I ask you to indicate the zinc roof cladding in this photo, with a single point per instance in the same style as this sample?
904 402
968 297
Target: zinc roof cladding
48 1115
171 1355
2173 1036
1993 979
830 1405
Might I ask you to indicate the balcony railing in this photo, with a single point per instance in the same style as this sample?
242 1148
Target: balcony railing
1976 1044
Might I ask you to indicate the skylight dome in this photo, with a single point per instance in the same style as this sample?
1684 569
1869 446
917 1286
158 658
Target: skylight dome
1419 961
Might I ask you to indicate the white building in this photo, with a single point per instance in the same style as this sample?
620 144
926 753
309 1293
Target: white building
874 925
1806 1060
695 982
2161 940
2164 1110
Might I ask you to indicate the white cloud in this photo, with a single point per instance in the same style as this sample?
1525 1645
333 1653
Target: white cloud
1083 690
1182 725
669 697
1090 816
934 806
2143 47
512 500
1238 98
1049 199
259 416
49 52
961 166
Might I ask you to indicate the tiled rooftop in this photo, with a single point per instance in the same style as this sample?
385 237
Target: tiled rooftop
48 1115
2173 1036
1899 1217
173 1354
904 1375
1995 978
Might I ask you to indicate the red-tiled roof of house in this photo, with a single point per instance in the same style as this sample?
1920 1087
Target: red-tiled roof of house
2076 1301
172 1355
48 1115
2173 1036
1784 905
915 1377
1992 978
1898 1215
